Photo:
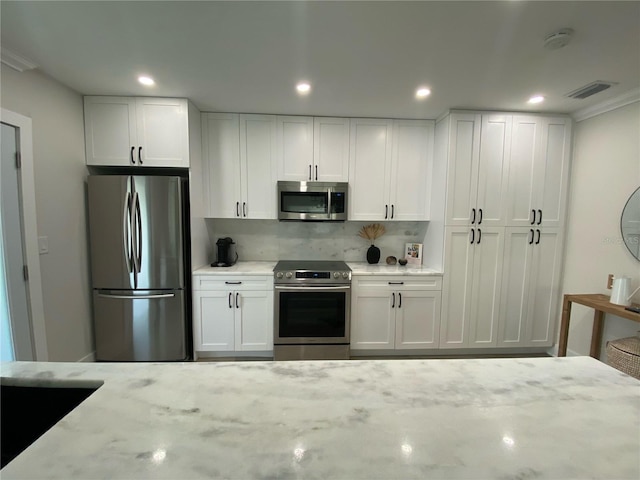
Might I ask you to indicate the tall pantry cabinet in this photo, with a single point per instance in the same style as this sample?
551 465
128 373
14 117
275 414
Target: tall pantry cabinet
507 179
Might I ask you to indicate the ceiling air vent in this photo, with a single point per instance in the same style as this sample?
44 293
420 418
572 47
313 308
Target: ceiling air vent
588 90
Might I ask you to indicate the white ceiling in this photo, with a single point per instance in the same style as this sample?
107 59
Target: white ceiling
362 58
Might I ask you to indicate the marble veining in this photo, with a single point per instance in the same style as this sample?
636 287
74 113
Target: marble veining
534 418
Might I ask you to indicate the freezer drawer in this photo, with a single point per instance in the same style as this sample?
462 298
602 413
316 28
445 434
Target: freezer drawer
140 326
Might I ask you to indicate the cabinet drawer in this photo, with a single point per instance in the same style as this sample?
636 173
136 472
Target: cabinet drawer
223 282
398 282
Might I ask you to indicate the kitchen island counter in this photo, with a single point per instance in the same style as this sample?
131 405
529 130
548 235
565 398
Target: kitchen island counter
537 418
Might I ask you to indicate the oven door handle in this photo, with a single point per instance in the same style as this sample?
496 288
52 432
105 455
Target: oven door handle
311 289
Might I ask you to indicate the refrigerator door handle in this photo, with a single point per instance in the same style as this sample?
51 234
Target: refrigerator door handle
138 297
126 234
138 230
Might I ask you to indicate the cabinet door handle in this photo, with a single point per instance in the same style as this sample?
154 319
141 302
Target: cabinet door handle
532 235
473 236
539 217
237 304
140 155
395 283
237 209
392 210
316 172
386 211
233 283
132 159
309 172
393 303
473 216
480 220
230 304
244 209
399 300
479 236
538 240
533 217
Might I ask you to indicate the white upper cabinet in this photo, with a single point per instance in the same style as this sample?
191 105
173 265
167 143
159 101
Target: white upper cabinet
539 171
295 148
239 154
411 170
313 149
330 149
136 131
479 147
390 169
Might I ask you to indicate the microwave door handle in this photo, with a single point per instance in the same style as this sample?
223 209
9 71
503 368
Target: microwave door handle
330 194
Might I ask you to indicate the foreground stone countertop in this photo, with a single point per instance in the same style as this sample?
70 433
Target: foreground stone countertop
538 418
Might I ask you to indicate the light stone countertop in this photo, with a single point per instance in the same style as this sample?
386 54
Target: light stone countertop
363 268
358 268
240 268
533 418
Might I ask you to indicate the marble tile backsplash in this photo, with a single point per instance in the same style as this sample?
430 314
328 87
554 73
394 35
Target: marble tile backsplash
274 240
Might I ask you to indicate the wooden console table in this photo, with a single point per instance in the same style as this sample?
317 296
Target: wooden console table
600 303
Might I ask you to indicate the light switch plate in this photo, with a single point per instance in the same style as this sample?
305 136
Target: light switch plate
43 245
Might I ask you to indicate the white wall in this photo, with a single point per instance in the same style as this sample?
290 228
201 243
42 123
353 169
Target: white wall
605 172
59 163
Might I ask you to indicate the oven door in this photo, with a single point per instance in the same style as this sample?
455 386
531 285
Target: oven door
312 315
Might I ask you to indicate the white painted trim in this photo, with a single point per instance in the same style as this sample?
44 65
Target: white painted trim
88 358
631 96
15 61
34 284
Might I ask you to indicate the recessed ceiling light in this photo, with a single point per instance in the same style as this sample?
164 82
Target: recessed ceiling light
423 92
303 88
144 80
536 99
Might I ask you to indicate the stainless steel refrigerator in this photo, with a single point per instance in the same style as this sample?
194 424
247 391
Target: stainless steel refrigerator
137 229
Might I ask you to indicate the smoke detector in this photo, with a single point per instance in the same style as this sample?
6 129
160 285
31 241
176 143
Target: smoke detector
558 39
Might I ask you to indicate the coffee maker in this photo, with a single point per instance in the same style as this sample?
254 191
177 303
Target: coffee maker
227 255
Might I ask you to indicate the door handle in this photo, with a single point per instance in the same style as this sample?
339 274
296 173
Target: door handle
393 302
392 209
140 155
237 304
126 234
395 283
532 235
237 209
138 231
138 297
309 172
479 236
316 172
386 211
473 216
473 236
230 304
132 159
399 300
480 220
539 217
233 283
538 240
533 217
244 209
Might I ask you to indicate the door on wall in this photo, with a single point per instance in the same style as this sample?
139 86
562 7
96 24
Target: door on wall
16 334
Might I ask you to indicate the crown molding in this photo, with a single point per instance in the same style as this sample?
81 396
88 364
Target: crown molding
15 61
627 98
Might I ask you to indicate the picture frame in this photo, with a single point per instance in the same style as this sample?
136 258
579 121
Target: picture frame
413 253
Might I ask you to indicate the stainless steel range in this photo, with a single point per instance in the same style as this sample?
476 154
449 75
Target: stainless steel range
312 310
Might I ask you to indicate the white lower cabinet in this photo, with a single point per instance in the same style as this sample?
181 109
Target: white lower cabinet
530 293
232 314
395 312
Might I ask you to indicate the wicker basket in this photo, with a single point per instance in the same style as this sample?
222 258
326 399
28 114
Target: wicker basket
624 354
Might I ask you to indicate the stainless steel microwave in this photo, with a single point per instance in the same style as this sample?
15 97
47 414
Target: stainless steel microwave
312 201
